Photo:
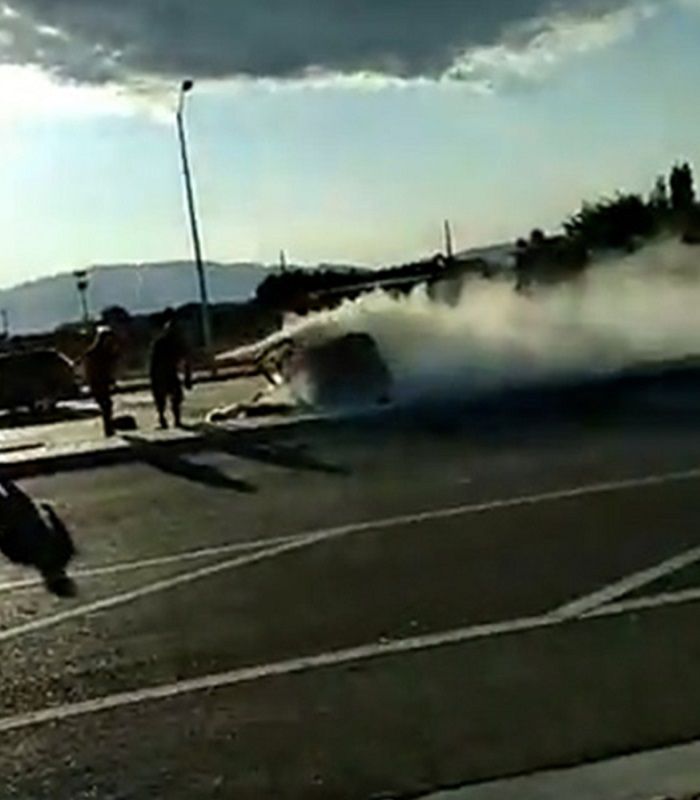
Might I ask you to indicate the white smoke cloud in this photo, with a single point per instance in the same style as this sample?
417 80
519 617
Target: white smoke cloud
620 313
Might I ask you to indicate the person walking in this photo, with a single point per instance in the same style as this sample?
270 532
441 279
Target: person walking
170 355
100 372
33 535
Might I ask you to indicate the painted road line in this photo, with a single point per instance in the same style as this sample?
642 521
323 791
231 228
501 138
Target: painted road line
156 587
645 603
321 536
156 561
226 549
631 583
277 669
336 658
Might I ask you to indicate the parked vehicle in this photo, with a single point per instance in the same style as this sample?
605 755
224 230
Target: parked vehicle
37 379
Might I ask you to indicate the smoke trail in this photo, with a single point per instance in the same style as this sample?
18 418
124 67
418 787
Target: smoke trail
621 312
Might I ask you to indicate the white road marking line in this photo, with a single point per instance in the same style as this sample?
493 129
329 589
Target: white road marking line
330 534
645 603
280 668
156 561
629 584
156 587
335 658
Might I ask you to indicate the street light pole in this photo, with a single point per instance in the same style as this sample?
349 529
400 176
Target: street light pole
82 282
186 87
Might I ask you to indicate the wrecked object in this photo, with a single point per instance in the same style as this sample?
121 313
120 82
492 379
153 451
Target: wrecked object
254 410
339 370
346 370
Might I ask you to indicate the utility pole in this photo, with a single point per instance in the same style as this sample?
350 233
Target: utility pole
82 282
449 248
185 88
283 261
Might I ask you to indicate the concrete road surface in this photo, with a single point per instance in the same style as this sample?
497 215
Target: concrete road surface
667 774
360 611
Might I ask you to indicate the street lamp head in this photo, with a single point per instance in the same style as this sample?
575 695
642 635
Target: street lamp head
185 87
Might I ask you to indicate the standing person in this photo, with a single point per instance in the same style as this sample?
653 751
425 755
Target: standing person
100 372
169 355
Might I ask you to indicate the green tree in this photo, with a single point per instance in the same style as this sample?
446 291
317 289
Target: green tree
115 317
658 198
682 188
537 237
612 224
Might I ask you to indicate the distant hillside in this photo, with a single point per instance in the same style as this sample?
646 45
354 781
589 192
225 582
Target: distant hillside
44 304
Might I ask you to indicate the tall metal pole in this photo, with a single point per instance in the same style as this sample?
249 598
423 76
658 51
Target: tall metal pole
192 212
449 248
82 281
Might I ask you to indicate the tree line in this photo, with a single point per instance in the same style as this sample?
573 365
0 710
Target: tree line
624 223
628 220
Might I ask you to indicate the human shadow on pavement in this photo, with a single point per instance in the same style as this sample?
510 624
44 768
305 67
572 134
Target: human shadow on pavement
295 457
33 535
167 460
52 416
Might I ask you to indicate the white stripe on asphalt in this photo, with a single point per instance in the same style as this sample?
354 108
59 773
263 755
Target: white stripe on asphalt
645 603
329 534
280 668
304 664
156 561
631 583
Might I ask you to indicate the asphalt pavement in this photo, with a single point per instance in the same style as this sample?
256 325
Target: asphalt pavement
360 610
667 774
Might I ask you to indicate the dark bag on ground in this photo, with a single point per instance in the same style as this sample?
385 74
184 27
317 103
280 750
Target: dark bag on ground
125 423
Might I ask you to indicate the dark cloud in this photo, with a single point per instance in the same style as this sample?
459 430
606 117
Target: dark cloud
97 40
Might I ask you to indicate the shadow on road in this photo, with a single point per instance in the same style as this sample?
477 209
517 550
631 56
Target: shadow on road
295 457
165 459
33 535
645 399
54 416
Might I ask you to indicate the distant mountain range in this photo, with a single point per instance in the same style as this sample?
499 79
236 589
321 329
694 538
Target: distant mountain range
44 304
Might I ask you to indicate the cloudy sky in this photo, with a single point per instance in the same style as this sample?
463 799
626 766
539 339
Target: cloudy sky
339 130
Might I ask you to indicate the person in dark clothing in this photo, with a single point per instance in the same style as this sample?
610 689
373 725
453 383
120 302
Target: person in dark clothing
35 536
169 355
100 372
